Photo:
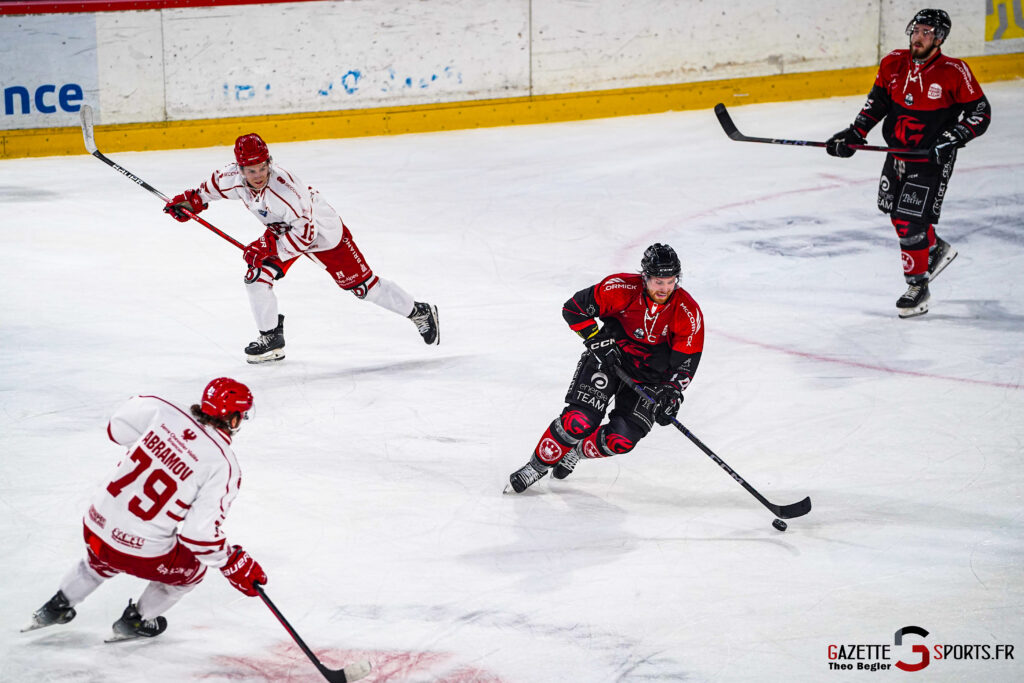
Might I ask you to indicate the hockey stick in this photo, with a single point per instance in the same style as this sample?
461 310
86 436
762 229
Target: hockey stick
352 672
790 511
730 129
90 145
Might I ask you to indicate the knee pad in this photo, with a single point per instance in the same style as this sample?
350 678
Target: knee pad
577 422
615 438
363 288
621 435
912 234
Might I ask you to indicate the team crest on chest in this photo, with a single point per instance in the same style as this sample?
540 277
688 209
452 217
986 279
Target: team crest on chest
909 100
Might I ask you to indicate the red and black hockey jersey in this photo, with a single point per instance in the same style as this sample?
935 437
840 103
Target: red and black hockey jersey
660 342
921 101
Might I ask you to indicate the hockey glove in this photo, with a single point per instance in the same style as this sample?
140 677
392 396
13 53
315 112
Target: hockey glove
242 571
263 254
838 144
945 147
279 228
188 199
667 400
604 349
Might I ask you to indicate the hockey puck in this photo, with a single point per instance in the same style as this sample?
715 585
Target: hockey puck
779 524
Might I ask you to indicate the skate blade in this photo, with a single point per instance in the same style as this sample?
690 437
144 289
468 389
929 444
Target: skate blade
913 312
118 637
942 264
266 358
353 672
36 625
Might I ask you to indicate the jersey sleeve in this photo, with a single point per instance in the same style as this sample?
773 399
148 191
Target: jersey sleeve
611 295
580 312
687 343
873 111
976 109
224 183
202 529
129 421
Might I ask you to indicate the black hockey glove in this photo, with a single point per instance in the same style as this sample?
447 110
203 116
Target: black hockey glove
945 147
667 399
838 144
604 349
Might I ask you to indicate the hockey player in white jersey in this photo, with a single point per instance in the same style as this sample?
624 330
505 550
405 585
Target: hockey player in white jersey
299 222
159 514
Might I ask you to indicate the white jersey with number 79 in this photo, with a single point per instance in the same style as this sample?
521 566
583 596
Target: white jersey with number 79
176 481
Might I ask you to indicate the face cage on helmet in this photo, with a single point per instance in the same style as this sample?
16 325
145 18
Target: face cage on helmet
939 34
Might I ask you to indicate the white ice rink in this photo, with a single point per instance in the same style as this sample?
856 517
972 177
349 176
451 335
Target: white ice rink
374 465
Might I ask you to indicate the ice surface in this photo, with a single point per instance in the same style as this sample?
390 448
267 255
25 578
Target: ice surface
374 465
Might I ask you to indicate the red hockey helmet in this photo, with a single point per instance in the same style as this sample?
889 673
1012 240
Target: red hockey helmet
251 150
225 396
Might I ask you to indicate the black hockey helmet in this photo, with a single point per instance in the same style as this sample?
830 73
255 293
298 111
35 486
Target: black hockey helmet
936 18
660 260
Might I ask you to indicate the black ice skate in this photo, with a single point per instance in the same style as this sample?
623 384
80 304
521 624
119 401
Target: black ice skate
55 611
270 345
131 625
426 320
568 462
527 475
914 301
939 257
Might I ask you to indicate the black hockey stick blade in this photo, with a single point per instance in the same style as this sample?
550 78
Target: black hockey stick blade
352 672
725 120
792 510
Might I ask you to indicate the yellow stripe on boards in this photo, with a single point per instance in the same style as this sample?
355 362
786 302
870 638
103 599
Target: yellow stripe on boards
472 114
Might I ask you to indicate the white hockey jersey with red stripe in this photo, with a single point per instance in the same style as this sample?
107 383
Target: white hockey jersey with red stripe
176 482
314 224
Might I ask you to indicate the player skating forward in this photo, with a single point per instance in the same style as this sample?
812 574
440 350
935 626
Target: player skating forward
298 222
159 514
654 330
929 101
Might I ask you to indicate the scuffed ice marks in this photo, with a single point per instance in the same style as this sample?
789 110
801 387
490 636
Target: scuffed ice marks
622 657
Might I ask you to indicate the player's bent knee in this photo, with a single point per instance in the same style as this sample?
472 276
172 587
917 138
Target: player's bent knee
577 421
362 290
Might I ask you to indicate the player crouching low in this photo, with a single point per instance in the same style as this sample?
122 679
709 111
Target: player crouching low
159 515
654 331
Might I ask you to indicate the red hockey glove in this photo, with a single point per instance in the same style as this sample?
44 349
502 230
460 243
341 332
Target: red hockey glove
262 254
188 199
242 571
839 144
